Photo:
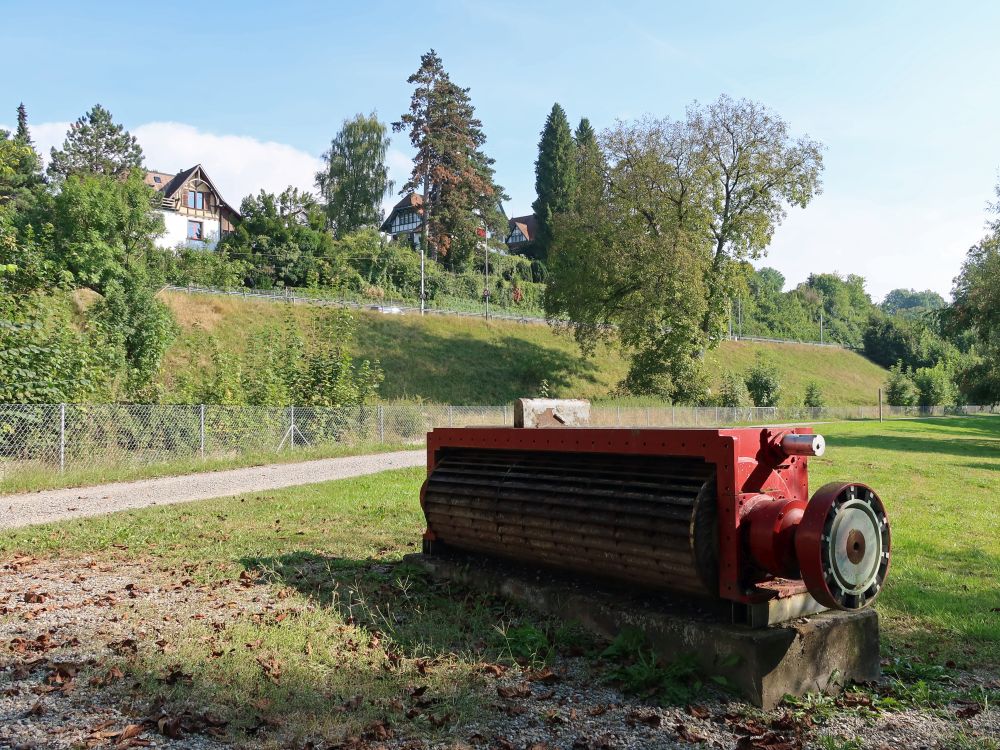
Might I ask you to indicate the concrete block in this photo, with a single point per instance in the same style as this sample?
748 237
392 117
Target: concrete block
551 412
819 653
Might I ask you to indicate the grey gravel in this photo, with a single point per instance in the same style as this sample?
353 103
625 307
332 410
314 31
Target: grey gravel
87 609
55 505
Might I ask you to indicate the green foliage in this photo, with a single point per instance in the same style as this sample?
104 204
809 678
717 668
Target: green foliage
43 359
137 327
649 247
900 390
763 382
555 176
814 395
290 363
636 668
21 178
889 339
96 145
912 304
450 169
935 386
355 177
526 643
733 391
977 310
186 265
283 241
98 227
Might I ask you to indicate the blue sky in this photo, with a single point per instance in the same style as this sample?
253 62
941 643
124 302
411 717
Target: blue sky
903 95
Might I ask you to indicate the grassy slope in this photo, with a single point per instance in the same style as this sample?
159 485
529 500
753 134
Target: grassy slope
465 361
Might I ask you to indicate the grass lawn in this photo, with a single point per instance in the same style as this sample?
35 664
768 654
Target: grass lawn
344 623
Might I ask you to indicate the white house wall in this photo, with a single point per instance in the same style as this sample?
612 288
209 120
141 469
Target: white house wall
176 233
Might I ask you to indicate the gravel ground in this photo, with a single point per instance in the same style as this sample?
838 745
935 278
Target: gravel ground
55 505
66 623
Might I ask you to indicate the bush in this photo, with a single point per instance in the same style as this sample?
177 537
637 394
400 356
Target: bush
733 392
900 390
763 382
935 386
814 395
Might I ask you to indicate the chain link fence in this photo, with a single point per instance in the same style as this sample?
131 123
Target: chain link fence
59 438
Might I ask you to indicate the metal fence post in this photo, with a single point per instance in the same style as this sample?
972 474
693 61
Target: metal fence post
201 430
381 423
450 409
62 438
879 404
291 424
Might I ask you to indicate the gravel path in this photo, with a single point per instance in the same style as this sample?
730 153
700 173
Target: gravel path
77 502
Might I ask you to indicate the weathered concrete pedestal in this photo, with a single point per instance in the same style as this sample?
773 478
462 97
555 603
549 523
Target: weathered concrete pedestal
819 653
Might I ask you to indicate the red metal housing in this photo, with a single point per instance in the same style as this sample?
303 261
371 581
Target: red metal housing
760 486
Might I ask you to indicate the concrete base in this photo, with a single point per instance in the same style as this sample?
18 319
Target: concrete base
819 653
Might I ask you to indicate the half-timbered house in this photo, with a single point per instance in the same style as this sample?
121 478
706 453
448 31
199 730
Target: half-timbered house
194 211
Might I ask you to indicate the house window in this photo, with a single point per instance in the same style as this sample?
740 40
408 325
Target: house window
516 237
195 230
195 199
404 221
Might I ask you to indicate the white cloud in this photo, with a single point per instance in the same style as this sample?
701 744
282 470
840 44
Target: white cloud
238 165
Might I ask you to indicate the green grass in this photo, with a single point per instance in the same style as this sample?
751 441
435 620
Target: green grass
33 478
360 622
469 361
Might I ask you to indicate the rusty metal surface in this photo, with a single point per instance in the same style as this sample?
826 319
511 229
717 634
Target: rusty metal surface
747 462
622 517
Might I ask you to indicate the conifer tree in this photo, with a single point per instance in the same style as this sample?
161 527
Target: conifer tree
450 167
95 144
591 168
21 179
555 176
22 134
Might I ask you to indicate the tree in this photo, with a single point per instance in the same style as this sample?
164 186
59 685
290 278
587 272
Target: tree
283 241
555 176
591 168
733 391
450 166
911 303
631 256
99 227
20 166
763 382
814 395
95 144
355 178
746 169
22 134
976 309
900 389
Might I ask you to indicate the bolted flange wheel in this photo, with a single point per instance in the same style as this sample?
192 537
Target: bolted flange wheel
843 545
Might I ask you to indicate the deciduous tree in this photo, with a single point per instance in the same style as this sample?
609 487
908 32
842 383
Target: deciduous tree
355 178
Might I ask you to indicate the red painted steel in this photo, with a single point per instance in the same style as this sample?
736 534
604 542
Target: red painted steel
751 468
816 541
